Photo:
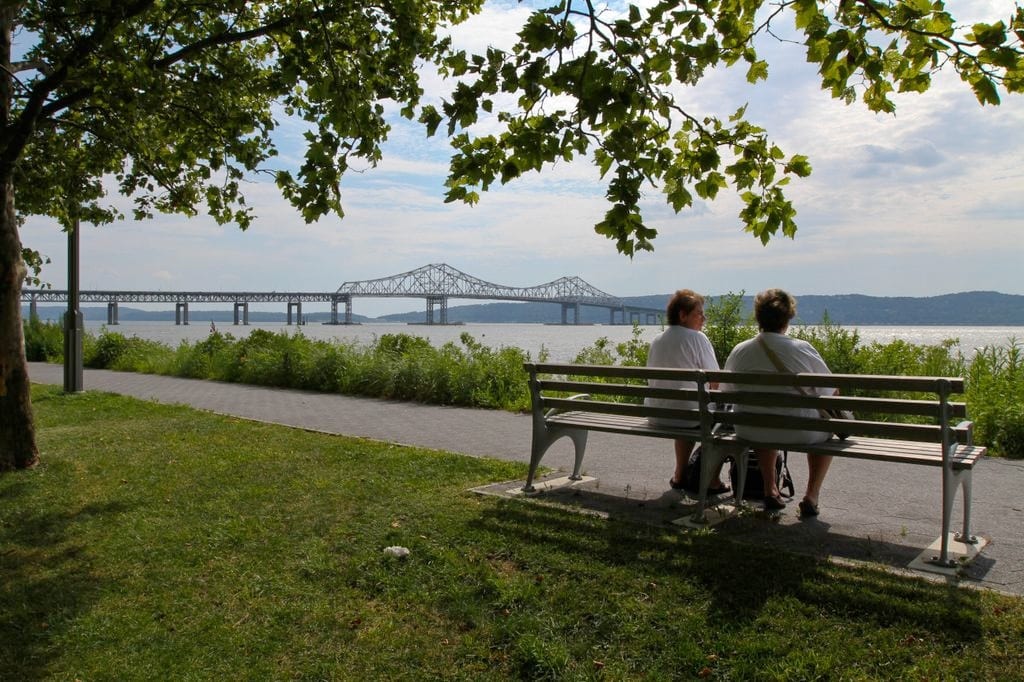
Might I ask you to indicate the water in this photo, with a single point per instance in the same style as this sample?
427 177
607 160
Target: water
561 342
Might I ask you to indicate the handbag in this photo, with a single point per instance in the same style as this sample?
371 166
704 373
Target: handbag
753 488
833 413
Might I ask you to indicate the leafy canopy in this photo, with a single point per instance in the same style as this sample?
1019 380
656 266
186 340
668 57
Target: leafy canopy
591 81
178 100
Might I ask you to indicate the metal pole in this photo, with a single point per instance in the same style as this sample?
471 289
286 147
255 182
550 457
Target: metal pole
73 324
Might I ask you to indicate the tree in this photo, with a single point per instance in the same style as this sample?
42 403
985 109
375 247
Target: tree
607 84
177 101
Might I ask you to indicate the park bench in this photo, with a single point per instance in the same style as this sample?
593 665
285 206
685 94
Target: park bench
571 400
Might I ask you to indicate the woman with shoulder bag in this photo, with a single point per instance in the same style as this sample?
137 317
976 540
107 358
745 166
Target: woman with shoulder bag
773 351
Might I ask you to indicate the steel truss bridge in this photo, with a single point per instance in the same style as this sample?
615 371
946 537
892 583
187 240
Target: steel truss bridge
436 283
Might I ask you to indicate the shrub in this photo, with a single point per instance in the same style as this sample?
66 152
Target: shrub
836 345
727 324
995 398
44 341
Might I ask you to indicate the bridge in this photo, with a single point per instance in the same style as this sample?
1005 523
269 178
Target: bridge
436 283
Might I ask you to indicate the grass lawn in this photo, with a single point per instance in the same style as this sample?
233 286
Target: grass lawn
163 543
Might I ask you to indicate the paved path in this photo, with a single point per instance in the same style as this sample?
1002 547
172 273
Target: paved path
881 512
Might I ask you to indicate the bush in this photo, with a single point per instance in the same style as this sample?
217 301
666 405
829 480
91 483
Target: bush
726 324
995 398
44 341
113 350
836 345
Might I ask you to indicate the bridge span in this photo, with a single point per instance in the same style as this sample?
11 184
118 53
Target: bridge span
436 283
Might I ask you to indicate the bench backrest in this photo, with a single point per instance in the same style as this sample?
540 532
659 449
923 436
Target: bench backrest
932 417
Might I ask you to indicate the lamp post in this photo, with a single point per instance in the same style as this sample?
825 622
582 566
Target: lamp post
73 325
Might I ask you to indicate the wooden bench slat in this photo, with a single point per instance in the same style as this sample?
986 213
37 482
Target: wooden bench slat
631 390
628 409
915 432
857 404
859 381
620 424
874 449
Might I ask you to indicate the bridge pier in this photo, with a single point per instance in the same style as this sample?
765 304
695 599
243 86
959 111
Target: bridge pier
112 313
244 307
181 313
33 313
335 318
575 308
442 301
297 305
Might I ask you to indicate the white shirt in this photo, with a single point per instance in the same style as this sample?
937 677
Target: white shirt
796 356
682 348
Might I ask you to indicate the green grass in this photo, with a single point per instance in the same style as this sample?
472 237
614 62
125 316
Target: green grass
159 542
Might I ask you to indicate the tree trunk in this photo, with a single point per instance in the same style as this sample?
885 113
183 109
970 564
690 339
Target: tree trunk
17 428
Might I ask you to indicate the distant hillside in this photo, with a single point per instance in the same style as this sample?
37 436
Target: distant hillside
968 308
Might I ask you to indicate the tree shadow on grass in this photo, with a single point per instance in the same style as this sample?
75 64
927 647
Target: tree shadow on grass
48 580
739 578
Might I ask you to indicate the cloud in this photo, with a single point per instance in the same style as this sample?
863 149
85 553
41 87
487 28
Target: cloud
924 155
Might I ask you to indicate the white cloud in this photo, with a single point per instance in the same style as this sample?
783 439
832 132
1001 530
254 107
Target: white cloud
925 201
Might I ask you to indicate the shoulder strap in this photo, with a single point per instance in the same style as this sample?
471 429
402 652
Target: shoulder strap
772 355
782 368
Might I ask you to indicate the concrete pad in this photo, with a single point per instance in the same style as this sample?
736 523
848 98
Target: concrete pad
548 485
960 554
713 515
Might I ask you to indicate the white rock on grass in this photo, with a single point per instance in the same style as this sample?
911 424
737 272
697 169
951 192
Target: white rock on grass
396 551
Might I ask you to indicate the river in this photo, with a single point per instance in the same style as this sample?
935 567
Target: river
561 342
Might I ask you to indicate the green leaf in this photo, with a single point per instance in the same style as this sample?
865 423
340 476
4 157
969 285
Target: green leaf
757 71
985 90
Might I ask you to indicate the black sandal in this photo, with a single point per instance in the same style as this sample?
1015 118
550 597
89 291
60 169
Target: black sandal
677 486
774 503
808 508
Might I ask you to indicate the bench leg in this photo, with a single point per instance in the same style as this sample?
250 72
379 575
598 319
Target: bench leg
713 457
579 443
951 482
543 437
965 536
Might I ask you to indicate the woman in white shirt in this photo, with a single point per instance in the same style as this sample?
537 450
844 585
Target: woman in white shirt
774 308
682 345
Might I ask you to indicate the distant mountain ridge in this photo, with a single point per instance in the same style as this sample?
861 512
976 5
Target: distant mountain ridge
966 308
970 308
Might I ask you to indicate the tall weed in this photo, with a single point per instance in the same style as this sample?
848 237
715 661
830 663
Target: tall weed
727 324
43 340
836 345
995 395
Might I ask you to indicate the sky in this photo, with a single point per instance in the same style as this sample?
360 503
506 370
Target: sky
924 202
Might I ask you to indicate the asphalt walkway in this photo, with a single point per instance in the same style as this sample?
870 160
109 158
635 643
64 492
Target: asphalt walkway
885 513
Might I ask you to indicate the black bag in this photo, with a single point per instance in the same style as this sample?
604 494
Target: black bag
691 484
839 414
753 489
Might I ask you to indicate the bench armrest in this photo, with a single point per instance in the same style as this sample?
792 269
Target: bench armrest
578 396
968 428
